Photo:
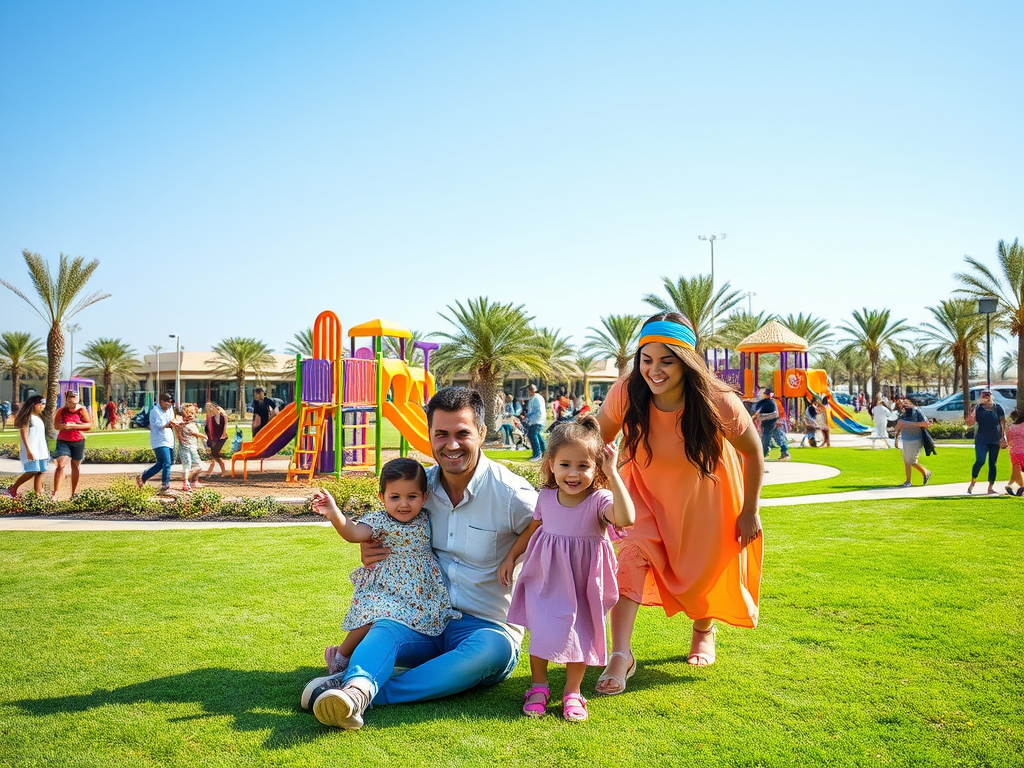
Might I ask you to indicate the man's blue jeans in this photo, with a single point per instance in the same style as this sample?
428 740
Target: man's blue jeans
470 652
536 435
768 432
163 466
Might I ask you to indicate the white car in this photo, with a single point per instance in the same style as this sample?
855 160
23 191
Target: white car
951 407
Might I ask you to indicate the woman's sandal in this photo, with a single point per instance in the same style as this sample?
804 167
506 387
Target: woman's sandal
701 655
574 707
620 680
536 701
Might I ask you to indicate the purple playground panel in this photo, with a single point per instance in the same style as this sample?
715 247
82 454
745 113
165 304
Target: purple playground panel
318 388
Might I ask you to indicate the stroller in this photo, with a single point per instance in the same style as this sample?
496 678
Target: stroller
520 441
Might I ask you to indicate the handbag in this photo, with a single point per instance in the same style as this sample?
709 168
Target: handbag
928 442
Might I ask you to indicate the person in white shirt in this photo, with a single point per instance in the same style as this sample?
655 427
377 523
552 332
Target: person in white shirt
881 415
536 417
161 440
477 510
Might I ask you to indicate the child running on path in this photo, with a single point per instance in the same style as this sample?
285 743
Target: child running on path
407 586
567 584
696 545
34 453
188 446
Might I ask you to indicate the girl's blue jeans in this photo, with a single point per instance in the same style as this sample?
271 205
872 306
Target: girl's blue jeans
470 652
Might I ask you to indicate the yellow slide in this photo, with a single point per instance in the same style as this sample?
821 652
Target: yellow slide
405 409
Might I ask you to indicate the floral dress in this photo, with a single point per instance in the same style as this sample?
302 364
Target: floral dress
407 586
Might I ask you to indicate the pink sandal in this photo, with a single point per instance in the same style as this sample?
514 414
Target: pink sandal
536 701
702 652
574 707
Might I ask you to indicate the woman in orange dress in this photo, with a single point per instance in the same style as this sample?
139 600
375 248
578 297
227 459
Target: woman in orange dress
693 467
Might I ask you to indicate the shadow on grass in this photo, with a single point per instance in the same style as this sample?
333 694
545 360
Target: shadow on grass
269 701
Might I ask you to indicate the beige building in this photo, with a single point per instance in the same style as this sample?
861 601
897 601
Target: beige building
199 382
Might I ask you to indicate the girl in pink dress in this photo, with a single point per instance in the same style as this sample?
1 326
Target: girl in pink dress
567 585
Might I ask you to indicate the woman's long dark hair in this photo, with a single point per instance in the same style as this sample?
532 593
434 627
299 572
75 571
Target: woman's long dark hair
25 411
700 424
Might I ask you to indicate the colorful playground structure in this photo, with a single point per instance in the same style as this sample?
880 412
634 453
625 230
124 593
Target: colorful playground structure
794 384
342 402
86 389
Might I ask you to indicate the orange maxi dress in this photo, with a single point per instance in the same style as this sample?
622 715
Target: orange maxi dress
686 526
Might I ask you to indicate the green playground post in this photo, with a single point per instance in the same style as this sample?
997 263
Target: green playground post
378 436
339 450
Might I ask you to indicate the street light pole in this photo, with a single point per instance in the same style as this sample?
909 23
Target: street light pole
155 349
177 369
711 239
750 304
72 329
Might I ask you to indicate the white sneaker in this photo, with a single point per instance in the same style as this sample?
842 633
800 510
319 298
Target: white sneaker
341 707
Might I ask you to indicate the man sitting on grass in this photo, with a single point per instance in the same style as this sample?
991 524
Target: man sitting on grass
477 510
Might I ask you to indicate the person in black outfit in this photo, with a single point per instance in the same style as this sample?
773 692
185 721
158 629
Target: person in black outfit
262 411
989 437
767 411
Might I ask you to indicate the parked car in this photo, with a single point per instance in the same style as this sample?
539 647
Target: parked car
924 398
951 407
842 398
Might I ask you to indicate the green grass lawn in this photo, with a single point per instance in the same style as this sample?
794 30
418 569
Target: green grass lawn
890 635
863 468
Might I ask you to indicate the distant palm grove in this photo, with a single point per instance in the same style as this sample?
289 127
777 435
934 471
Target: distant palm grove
484 341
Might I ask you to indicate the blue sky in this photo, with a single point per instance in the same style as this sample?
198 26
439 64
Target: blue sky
238 167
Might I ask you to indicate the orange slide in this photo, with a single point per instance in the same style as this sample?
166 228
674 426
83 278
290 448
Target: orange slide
405 409
278 434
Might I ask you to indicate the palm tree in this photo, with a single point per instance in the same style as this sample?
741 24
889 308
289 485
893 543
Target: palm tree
110 359
489 339
960 330
22 355
872 332
921 365
829 362
1006 362
60 300
236 357
584 362
813 330
1007 285
739 325
413 356
697 299
616 340
855 367
559 357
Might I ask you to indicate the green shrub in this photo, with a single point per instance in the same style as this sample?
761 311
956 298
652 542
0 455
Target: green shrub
125 496
951 430
89 500
38 504
529 471
354 495
204 501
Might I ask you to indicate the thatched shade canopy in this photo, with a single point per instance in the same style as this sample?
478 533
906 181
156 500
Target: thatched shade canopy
772 337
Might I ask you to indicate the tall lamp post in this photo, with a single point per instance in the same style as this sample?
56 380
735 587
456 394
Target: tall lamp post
711 239
155 349
986 307
177 369
72 329
750 304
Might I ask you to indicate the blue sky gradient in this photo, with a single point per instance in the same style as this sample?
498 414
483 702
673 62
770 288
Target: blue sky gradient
238 167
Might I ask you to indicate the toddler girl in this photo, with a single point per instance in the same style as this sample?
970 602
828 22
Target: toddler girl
1015 440
35 455
188 446
567 584
407 586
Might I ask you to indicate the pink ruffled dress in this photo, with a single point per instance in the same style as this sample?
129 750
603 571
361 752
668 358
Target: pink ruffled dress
567 584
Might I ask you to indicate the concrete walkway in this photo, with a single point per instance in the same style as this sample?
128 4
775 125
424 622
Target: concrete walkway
778 473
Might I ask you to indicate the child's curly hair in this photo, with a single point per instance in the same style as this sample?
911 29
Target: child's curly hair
189 410
584 432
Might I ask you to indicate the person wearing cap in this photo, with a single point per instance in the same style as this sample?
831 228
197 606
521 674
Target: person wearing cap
72 420
989 436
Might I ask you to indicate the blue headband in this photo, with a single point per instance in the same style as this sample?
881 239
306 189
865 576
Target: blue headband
667 332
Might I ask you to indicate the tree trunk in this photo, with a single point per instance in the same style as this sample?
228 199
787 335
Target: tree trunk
874 375
108 384
488 387
15 385
965 381
242 412
54 357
